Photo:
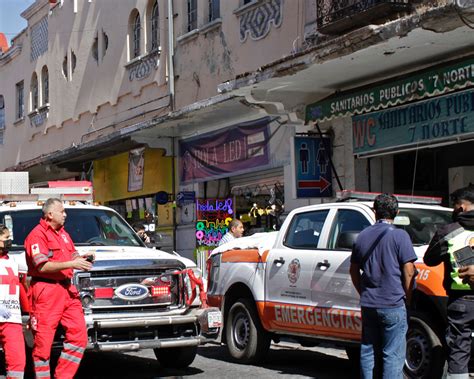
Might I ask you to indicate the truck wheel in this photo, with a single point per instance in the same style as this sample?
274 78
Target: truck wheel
247 341
424 356
176 357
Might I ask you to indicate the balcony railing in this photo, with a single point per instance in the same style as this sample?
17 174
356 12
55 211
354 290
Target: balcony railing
337 16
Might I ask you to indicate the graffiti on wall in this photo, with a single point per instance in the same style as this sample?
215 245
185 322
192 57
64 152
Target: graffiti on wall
213 218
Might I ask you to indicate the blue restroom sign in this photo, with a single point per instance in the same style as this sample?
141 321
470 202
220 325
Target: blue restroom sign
313 167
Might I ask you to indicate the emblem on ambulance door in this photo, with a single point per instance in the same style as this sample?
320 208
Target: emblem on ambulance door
294 269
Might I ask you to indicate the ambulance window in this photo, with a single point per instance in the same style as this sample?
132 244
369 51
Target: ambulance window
305 229
347 225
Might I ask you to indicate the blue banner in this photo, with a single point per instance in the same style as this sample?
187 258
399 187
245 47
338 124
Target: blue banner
313 167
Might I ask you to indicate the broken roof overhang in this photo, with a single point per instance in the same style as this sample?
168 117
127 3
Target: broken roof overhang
156 132
360 58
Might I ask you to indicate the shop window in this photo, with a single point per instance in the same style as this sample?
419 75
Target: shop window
34 92
20 100
45 85
192 15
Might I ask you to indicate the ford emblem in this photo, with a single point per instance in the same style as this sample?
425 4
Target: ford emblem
133 292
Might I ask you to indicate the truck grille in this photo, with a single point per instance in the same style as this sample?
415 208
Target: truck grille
130 290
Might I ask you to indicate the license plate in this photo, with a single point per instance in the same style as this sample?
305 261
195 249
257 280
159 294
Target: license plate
214 319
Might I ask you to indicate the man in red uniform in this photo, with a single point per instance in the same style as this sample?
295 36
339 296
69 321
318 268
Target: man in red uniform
52 257
11 331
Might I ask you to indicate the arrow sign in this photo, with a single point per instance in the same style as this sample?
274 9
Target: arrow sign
322 184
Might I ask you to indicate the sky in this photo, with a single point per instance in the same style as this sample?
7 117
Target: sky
11 23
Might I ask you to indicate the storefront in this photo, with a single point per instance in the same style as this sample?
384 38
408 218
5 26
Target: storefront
241 165
132 183
418 129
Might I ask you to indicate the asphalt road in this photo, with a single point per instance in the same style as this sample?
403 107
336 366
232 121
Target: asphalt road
284 361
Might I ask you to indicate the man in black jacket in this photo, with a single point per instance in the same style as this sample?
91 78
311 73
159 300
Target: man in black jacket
453 245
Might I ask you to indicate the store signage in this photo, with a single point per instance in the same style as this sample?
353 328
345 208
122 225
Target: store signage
236 149
424 84
136 167
313 168
421 123
185 197
213 216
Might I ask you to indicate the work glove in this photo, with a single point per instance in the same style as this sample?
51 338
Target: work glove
4 312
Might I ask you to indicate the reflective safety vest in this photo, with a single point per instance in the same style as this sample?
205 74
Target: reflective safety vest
457 241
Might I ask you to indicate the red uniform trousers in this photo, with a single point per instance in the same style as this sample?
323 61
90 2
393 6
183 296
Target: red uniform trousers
11 338
54 303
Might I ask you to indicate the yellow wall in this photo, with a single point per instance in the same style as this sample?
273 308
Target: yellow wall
111 176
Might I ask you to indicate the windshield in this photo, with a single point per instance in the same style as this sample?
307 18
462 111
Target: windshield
86 227
421 224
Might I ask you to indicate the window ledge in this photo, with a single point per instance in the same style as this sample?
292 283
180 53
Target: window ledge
139 59
44 107
246 7
189 36
210 26
19 120
33 113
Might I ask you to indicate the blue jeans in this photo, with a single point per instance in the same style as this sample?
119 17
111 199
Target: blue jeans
383 342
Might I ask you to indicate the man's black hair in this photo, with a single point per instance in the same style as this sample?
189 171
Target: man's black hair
138 226
464 193
385 206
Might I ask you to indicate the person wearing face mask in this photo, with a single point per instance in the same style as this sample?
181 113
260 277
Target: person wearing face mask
11 331
453 245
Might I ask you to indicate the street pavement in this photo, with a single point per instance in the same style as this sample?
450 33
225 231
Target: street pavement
285 360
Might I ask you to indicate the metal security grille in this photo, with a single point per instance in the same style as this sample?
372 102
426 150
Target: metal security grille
39 38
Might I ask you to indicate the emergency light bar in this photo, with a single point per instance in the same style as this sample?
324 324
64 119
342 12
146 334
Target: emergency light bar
346 195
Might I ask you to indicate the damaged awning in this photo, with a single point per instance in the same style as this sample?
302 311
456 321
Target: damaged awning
424 84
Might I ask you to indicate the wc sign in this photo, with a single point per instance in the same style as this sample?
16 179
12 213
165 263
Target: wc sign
313 167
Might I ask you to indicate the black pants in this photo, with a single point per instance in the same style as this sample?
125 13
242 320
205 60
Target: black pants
458 334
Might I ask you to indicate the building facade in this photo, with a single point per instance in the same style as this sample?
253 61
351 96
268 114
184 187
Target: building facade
172 107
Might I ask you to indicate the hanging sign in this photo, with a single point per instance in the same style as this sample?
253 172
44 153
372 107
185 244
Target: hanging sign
417 124
136 166
420 85
213 217
234 150
313 168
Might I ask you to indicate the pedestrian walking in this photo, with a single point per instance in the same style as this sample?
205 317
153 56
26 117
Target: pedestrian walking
11 331
453 245
382 271
236 230
51 257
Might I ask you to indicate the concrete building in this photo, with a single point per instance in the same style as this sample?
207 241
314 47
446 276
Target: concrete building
250 101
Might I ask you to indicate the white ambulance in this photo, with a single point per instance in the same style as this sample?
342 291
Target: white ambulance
134 297
295 283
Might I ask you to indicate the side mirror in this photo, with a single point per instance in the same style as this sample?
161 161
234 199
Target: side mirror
346 240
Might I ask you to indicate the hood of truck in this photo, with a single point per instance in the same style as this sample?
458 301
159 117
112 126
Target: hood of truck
105 255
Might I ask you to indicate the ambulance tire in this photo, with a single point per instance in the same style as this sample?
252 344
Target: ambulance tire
176 357
425 353
247 341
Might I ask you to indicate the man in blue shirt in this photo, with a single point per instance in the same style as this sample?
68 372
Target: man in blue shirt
383 272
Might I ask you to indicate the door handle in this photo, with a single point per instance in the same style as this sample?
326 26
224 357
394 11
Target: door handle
323 266
279 261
